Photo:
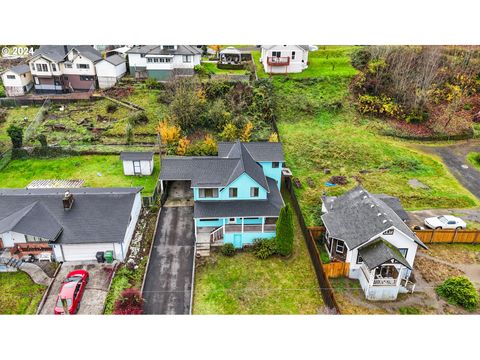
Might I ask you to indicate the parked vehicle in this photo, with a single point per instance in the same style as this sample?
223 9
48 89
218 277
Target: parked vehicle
71 291
445 222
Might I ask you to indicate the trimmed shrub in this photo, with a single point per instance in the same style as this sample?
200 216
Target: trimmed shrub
227 249
460 291
284 239
111 108
130 303
16 136
360 57
264 248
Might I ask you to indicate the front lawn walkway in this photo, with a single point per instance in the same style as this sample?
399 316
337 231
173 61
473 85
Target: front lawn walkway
244 284
19 294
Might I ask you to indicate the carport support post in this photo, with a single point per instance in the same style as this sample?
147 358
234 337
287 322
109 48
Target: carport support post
263 224
161 186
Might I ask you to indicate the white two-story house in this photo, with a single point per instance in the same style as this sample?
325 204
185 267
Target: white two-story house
284 59
162 62
368 232
64 68
17 80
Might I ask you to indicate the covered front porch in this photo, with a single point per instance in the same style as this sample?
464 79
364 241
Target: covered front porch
384 272
225 229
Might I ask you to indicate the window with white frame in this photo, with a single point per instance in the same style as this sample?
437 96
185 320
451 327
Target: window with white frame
187 58
83 66
254 191
149 60
340 247
276 53
293 55
233 192
359 259
54 67
275 165
68 66
403 251
11 77
208 193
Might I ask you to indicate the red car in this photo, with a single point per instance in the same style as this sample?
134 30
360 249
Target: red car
72 290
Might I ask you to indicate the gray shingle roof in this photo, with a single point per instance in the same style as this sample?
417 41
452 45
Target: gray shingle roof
357 216
206 171
260 151
98 215
115 59
157 50
20 69
136 155
304 47
380 252
237 208
57 52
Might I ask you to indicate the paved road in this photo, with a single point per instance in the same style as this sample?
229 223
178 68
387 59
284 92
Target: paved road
168 282
454 157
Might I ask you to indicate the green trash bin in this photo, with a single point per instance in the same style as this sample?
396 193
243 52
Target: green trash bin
108 256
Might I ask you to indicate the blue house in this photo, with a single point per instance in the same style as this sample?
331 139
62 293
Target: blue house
236 194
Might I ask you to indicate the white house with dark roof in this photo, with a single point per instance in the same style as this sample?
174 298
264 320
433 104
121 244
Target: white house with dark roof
17 80
162 62
368 232
110 70
73 224
137 162
284 59
236 194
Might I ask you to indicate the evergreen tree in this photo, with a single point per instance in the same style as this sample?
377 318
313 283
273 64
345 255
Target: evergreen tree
284 236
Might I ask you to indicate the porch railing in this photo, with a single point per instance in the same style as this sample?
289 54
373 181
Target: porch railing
216 235
384 281
250 228
278 61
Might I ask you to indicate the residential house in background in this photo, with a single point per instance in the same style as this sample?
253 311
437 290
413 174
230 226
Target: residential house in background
162 62
137 163
284 59
17 80
368 232
64 68
73 224
110 70
236 194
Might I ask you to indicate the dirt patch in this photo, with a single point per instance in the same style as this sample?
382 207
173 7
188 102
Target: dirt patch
435 272
453 253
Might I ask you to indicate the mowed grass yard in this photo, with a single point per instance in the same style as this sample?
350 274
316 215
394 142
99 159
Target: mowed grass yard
244 284
19 294
95 170
320 129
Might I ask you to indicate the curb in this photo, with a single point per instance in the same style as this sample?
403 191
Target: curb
193 278
47 292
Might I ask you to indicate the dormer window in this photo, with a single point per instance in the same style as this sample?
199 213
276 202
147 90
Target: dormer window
275 165
254 191
169 47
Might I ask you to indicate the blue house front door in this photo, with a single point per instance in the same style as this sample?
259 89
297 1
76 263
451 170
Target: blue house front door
237 240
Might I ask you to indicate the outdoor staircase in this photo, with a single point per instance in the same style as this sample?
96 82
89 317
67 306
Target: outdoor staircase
202 248
10 264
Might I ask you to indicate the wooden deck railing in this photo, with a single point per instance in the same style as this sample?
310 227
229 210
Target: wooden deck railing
278 61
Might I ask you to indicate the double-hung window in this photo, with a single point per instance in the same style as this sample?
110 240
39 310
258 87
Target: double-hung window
187 58
233 192
208 193
254 191
340 247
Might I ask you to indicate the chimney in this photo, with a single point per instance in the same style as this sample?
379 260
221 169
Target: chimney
67 200
65 48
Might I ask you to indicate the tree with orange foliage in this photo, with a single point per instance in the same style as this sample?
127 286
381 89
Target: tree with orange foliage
182 146
247 131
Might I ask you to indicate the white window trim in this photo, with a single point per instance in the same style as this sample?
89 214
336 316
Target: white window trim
342 245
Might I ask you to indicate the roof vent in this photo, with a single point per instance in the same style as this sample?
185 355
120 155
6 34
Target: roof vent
68 200
379 214
372 206
384 221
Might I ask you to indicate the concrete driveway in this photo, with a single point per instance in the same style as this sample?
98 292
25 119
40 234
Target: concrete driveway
168 282
93 299
418 217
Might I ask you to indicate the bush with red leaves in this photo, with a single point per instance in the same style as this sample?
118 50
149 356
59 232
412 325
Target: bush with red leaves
130 303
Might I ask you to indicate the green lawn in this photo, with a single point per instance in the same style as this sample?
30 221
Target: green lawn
95 170
320 129
212 68
20 116
19 294
244 284
474 159
326 61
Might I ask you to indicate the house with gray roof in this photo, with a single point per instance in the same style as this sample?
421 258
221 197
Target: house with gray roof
73 224
284 59
368 231
162 62
64 68
17 80
236 194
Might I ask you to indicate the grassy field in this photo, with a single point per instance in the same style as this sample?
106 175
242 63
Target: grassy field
474 159
20 116
212 68
19 294
244 284
95 170
321 130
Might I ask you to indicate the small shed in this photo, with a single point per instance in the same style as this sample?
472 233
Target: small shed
110 70
137 163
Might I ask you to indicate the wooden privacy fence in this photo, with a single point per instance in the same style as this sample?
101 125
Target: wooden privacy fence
337 269
441 236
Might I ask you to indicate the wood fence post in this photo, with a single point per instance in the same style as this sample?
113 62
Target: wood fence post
454 236
433 234
476 237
